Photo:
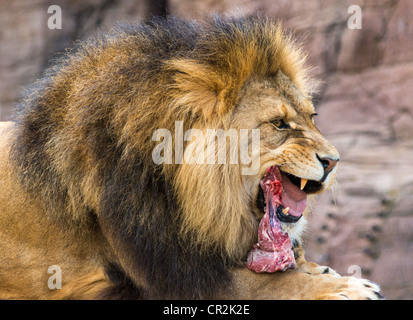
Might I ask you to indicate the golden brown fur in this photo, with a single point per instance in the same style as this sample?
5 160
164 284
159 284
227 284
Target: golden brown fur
79 187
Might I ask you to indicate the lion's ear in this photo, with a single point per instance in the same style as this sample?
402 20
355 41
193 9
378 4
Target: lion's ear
201 90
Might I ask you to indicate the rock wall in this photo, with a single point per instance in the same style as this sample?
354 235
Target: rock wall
364 226
27 45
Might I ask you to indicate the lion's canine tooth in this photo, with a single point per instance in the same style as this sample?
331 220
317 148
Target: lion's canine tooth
285 210
303 183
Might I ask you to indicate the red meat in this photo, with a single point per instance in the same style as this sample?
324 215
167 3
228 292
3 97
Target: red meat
273 252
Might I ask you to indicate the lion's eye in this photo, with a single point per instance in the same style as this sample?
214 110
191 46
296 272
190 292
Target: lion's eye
280 124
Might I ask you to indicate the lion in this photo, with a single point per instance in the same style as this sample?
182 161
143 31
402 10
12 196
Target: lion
80 191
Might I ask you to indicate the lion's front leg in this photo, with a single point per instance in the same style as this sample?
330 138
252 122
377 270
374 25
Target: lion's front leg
297 285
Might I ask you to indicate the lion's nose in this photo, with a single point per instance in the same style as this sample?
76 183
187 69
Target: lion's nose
328 165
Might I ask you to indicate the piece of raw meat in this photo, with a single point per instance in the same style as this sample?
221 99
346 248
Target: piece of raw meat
273 252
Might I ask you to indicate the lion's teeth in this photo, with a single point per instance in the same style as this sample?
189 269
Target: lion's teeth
303 183
285 210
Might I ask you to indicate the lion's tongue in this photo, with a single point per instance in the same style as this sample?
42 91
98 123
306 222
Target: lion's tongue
292 197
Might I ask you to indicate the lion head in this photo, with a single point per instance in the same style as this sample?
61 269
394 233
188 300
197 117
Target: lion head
86 141
256 81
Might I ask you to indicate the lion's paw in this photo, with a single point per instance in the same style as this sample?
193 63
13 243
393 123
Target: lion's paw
356 289
324 270
315 269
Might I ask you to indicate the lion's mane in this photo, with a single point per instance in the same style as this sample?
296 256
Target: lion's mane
84 147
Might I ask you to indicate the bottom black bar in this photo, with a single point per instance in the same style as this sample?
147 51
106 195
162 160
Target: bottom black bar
204 309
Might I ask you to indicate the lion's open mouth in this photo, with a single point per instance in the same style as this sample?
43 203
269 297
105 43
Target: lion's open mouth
293 198
283 198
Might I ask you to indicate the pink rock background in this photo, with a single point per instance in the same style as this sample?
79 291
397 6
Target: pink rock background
364 101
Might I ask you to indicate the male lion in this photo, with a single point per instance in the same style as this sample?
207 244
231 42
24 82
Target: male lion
80 191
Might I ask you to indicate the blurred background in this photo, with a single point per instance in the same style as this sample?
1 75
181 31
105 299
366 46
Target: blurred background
364 225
